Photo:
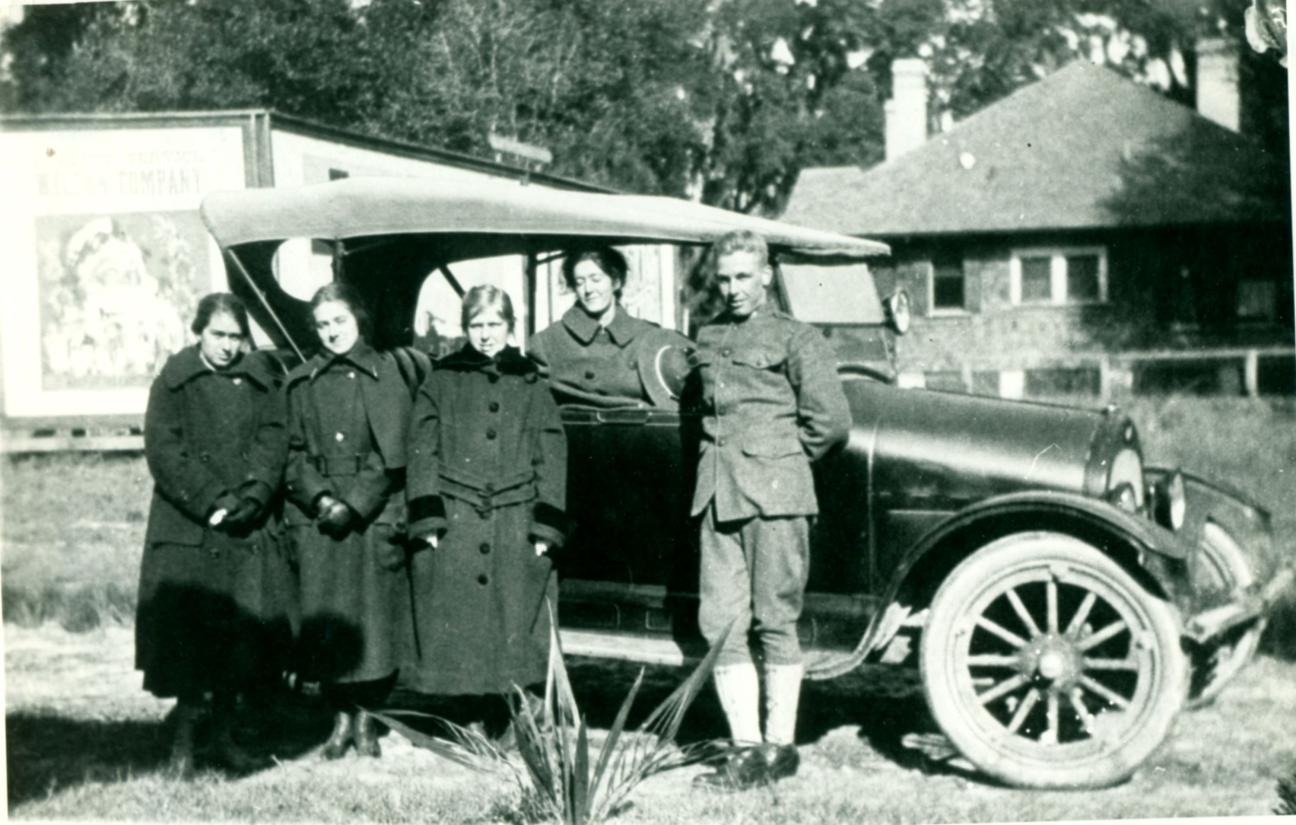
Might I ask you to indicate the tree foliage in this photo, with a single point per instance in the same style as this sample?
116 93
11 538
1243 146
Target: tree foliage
722 100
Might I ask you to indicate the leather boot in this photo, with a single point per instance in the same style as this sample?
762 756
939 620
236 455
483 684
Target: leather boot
366 735
223 749
340 738
181 762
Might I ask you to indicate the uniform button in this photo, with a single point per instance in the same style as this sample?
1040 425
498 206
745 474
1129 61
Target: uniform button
482 580
589 376
484 549
351 374
238 381
205 457
492 377
720 384
726 352
719 442
339 437
494 406
490 434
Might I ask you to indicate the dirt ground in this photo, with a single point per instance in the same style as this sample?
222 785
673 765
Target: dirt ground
84 741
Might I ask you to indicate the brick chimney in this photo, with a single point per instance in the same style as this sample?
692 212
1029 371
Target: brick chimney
906 111
1217 83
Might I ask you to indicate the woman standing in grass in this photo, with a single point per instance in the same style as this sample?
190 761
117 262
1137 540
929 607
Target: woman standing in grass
348 407
215 442
487 488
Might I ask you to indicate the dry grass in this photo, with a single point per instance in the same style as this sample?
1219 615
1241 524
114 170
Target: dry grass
87 743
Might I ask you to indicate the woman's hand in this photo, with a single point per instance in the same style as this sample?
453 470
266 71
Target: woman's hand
430 540
541 547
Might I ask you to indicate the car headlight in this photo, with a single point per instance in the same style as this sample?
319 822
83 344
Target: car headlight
1169 502
1125 480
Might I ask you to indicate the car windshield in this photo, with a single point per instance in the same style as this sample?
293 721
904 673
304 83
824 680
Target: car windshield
832 294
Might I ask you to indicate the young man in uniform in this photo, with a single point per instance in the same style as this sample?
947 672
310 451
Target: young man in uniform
772 404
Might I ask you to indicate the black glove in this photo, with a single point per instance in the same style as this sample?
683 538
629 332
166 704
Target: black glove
242 516
335 517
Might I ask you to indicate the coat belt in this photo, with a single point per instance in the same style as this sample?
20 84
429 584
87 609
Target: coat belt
339 465
484 495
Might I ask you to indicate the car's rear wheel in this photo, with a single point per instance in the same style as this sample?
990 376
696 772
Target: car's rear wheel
1226 567
1047 665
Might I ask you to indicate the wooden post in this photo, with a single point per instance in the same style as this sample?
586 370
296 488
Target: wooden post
1251 373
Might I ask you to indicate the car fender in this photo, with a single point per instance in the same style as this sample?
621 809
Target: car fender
1156 557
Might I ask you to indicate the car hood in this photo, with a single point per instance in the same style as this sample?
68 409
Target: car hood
937 450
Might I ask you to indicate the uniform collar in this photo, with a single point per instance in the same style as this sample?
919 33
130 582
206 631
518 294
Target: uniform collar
362 356
188 364
510 361
583 328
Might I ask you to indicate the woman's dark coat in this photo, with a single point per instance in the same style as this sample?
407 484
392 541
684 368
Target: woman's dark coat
213 606
488 466
347 419
586 363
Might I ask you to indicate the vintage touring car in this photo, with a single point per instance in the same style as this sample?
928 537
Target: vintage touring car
1061 599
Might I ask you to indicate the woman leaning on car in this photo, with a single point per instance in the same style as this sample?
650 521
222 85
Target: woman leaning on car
215 443
598 354
487 492
347 409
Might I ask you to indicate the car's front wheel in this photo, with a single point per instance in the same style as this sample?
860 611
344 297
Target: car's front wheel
1047 665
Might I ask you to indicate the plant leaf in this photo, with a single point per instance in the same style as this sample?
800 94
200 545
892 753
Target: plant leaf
580 778
466 747
614 736
666 718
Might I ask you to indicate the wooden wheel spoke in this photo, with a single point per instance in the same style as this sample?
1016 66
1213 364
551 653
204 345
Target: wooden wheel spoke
1102 635
1082 613
1023 710
1022 613
1105 692
992 660
1000 631
1111 664
1050 734
1051 591
1077 704
1006 686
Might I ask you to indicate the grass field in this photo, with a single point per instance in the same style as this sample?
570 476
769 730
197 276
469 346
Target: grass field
83 739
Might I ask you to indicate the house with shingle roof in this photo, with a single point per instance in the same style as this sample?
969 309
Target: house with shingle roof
1085 234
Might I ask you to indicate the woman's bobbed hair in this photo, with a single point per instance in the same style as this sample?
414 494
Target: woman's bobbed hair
483 297
606 258
349 295
221 302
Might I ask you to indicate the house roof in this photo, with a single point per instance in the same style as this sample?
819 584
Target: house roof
1082 148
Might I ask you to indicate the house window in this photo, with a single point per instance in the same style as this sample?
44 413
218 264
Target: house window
1058 276
1257 300
948 293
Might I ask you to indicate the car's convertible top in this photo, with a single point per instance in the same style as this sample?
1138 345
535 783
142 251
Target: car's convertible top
367 207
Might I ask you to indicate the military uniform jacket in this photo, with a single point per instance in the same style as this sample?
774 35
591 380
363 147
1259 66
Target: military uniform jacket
773 403
207 433
586 363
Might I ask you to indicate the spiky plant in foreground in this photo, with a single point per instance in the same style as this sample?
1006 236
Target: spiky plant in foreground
1287 796
558 780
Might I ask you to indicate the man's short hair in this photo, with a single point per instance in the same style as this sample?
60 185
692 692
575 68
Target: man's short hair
741 240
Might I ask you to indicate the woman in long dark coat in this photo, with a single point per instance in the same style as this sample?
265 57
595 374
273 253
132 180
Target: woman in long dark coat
487 491
215 442
348 407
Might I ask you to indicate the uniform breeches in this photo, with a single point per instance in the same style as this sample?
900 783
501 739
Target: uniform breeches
754 575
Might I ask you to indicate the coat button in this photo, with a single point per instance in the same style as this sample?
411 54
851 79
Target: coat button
238 381
494 406
204 457
489 486
589 376
484 549
492 377
339 437
490 434
482 580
